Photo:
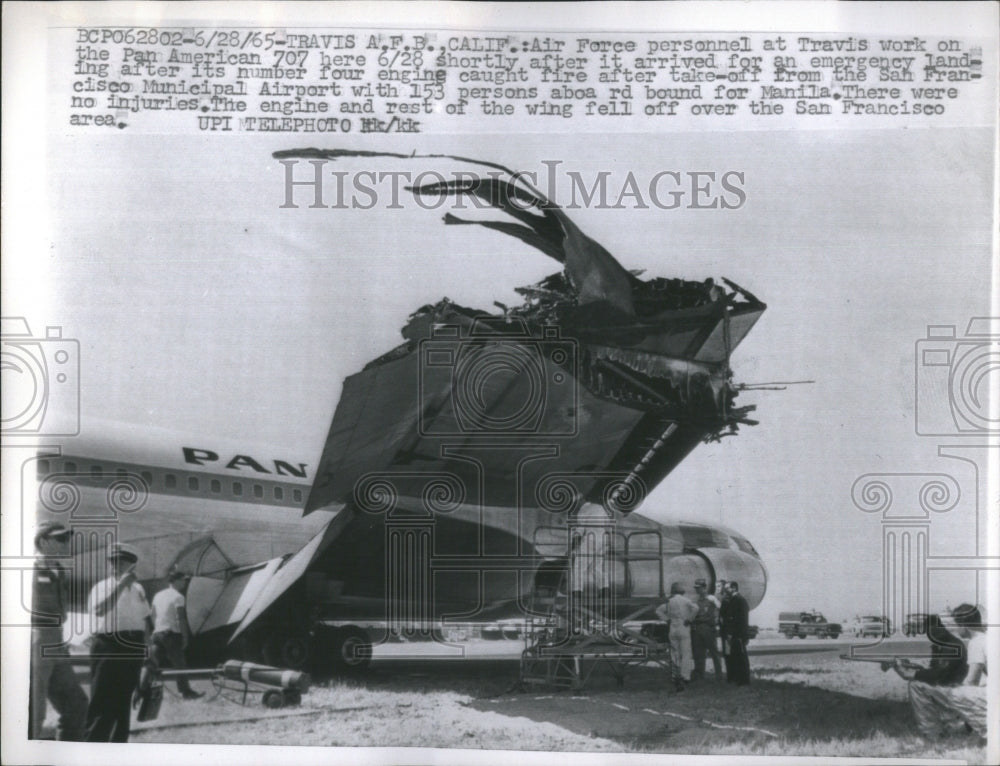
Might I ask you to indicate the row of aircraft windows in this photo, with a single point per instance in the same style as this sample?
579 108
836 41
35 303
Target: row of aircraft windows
170 481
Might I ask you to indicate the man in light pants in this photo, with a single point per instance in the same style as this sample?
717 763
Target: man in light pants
943 710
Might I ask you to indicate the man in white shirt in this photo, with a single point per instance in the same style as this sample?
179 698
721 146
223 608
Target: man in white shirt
942 710
120 624
171 632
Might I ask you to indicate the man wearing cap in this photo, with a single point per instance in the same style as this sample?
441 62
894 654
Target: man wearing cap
120 619
703 632
171 632
52 676
678 613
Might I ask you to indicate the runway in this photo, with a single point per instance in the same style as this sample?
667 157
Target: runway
802 699
510 649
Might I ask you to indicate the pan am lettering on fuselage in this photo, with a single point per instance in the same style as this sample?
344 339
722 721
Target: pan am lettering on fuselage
120 482
198 456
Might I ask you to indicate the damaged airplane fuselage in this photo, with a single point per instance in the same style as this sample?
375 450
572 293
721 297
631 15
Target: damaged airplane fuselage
450 454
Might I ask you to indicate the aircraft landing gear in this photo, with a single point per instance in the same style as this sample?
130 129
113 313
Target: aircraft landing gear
287 650
352 649
346 650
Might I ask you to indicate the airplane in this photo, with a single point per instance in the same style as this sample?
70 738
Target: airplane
330 567
460 467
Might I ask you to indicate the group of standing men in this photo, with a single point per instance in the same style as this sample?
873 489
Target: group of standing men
126 635
695 626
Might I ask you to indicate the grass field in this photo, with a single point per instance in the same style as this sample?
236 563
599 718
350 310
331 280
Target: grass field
809 705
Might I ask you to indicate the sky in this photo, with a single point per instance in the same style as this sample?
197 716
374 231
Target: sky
202 305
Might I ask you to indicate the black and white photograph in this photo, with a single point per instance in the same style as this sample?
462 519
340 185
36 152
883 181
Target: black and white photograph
476 382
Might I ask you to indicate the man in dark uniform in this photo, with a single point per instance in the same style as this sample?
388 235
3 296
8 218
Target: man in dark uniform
735 624
703 632
121 623
52 676
724 596
948 666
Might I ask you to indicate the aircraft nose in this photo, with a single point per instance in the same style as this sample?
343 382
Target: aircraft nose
714 564
739 567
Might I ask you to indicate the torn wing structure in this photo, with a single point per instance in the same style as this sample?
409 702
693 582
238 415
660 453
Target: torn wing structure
623 376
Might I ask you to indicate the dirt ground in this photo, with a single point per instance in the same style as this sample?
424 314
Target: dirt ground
797 704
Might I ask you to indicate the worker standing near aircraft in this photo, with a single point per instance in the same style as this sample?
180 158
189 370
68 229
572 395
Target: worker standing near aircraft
704 637
948 666
171 632
722 589
735 626
52 676
120 619
678 612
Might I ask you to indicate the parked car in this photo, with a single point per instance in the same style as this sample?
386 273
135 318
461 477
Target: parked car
802 624
875 626
508 629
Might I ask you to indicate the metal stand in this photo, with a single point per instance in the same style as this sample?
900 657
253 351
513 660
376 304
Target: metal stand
570 633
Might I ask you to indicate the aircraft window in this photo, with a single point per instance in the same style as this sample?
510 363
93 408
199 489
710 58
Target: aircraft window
279 493
744 545
237 489
96 472
148 478
193 483
697 537
297 495
170 481
721 540
43 466
644 578
258 491
673 540
69 467
643 542
216 486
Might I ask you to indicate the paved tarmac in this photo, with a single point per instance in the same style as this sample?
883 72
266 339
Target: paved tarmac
506 649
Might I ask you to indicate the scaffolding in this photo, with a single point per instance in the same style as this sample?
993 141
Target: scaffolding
574 624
